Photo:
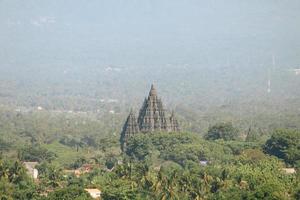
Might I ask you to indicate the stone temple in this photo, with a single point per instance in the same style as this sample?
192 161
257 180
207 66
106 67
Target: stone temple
152 118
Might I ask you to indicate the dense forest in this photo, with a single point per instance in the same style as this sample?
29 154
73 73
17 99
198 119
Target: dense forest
241 149
220 163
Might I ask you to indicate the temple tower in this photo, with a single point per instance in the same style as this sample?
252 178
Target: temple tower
152 118
173 124
152 114
130 128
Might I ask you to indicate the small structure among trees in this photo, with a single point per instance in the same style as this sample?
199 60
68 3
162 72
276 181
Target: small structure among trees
31 170
152 118
95 193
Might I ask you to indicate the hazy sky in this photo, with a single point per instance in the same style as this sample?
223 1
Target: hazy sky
203 50
148 32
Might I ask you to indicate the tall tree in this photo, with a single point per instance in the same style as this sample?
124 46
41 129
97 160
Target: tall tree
224 131
284 144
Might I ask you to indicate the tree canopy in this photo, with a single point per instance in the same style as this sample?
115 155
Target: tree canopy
224 131
285 144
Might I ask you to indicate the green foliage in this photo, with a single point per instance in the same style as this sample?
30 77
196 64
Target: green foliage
118 189
73 141
224 131
168 168
14 181
66 155
36 153
70 193
252 156
262 180
4 145
156 166
183 147
50 174
297 192
6 189
284 144
110 161
32 127
139 147
78 163
237 147
236 169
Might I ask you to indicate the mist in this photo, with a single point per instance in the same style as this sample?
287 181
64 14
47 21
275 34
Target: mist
207 51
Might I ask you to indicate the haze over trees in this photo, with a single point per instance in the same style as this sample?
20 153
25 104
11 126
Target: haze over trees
71 71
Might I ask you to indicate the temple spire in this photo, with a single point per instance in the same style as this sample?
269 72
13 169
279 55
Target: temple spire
152 91
152 118
173 123
130 128
172 113
152 114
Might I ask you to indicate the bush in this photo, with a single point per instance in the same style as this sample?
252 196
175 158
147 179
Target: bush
70 193
284 144
36 154
224 131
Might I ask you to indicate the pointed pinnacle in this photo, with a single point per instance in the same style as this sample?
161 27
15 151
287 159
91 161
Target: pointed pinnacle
152 91
131 111
172 113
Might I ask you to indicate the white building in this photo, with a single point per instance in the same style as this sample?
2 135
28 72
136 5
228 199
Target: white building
289 170
95 193
31 170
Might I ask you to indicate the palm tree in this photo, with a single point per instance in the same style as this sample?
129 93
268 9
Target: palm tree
191 185
4 171
144 180
168 189
16 172
124 170
53 176
206 184
157 186
185 182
